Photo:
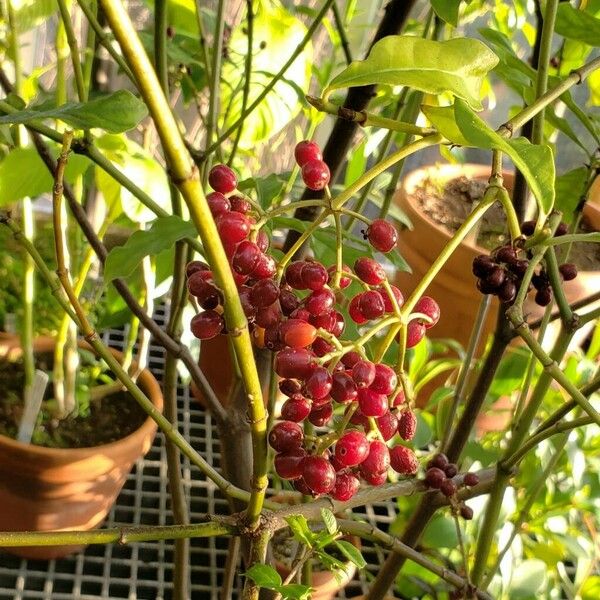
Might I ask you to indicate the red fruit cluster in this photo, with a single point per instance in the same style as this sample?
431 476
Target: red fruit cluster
315 171
439 476
501 273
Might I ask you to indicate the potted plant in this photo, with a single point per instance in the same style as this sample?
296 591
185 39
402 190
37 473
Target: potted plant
320 316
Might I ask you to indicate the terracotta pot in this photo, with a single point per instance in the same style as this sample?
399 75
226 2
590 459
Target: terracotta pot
53 489
324 583
216 364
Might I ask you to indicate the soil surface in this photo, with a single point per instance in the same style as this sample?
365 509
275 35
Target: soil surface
109 419
449 206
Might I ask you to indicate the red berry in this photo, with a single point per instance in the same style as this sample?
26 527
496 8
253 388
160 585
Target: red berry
297 333
295 363
222 179
369 271
289 387
403 460
448 488
293 275
428 306
339 325
344 281
195 265
207 325
318 474
346 485
343 388
355 312
286 436
233 227
262 241
371 305
268 316
300 486
382 235
389 307
245 257
434 477
288 301
264 293
363 373
352 448
543 297
307 150
568 271
302 314
466 512
295 409
288 465
385 380
315 174
314 275
249 308
378 459
416 332
206 293
371 403
265 267
387 425
320 302
272 339
218 203
350 359
374 478
399 398
471 479
439 461
318 385
407 425
322 347
451 470
321 415
239 204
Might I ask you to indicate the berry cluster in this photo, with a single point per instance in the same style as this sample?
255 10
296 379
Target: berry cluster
298 312
501 273
439 476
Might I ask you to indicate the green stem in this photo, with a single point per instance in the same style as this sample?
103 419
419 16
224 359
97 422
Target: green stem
367 119
115 535
90 48
74 48
339 24
566 314
183 176
244 115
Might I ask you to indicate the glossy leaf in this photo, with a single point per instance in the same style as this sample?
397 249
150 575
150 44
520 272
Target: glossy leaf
569 188
458 66
24 174
329 520
352 553
115 113
164 232
294 591
576 24
264 576
447 10
299 526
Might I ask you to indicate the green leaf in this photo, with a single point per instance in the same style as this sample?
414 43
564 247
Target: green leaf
443 119
590 590
264 576
294 591
535 162
267 188
164 232
577 25
528 579
115 113
458 66
30 13
447 10
299 526
329 520
352 553
24 174
569 188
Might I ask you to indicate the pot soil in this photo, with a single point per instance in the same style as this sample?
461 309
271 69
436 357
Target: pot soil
325 584
54 489
437 200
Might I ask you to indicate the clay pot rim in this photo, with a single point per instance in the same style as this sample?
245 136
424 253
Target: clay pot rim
448 171
147 382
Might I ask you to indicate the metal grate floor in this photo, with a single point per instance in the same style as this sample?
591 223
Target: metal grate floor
142 571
